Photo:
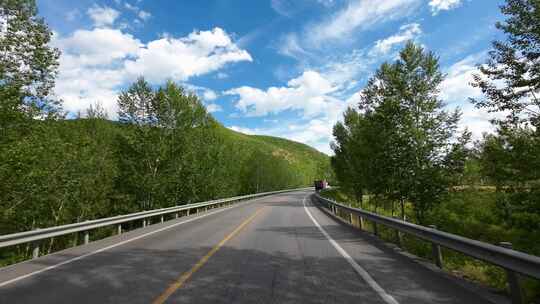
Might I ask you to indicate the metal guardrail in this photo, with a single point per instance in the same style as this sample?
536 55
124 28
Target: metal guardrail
511 260
34 236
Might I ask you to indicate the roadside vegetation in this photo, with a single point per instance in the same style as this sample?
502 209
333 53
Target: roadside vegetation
163 150
399 151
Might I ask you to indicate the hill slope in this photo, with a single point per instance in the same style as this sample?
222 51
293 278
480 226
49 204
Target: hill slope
275 158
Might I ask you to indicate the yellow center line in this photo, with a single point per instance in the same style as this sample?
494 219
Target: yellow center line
186 275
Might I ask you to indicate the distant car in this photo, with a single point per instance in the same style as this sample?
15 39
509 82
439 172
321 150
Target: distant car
320 185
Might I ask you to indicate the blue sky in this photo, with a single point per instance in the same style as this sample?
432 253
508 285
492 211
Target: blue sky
285 68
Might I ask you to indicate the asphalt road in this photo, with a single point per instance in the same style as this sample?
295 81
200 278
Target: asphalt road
278 249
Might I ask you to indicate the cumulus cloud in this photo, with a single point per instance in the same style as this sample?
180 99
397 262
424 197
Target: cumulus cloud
443 5
181 58
309 93
100 46
96 64
406 32
102 15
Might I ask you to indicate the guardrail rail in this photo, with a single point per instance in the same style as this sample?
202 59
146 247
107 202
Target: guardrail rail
35 237
514 262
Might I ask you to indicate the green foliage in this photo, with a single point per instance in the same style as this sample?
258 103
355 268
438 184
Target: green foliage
401 144
510 79
27 66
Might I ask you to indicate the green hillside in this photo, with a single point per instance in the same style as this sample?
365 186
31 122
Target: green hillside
303 161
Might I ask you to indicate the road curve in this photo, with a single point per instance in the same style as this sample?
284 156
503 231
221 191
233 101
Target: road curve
276 249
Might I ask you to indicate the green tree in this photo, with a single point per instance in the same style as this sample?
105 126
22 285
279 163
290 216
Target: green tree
28 64
402 144
510 79
161 131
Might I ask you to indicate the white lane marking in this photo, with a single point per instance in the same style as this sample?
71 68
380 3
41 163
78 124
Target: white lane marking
119 244
361 271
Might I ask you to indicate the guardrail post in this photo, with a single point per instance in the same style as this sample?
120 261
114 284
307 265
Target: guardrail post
75 239
176 215
361 222
144 223
350 218
436 251
162 219
35 250
399 237
513 280
119 229
375 229
86 237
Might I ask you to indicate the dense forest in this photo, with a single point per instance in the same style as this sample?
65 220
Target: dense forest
163 150
400 152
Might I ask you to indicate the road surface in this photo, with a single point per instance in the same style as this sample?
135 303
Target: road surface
276 249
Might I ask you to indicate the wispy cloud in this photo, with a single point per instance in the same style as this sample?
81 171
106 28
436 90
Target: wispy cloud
406 32
358 15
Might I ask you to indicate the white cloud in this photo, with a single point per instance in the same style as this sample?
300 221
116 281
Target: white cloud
209 95
212 108
102 15
361 15
143 15
181 58
406 32
96 64
100 46
456 87
443 5
455 90
308 93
